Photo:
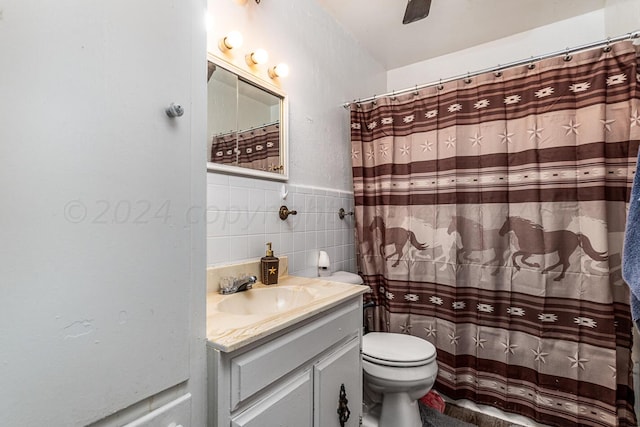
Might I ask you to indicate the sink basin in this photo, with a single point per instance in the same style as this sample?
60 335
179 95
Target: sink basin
265 300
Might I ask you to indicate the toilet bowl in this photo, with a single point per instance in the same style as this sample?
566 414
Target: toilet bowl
398 370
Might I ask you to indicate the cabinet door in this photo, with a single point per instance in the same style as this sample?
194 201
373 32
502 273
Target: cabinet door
96 270
341 367
288 406
174 414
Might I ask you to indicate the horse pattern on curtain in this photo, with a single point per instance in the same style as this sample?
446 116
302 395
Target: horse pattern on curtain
490 215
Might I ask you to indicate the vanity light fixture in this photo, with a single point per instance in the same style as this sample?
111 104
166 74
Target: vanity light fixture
258 56
280 70
230 41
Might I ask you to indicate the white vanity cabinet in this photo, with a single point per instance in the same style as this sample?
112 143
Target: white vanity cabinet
292 377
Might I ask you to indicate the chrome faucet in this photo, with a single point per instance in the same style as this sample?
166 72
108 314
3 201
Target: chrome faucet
238 285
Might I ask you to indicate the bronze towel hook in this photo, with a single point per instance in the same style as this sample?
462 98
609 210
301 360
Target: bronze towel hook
285 212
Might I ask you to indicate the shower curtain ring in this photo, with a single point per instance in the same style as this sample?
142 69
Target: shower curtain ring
531 65
374 99
567 57
607 48
415 92
393 95
498 73
468 79
440 87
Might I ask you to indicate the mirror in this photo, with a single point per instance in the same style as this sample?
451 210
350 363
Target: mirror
246 123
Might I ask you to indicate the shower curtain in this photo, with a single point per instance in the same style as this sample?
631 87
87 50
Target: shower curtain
257 148
490 215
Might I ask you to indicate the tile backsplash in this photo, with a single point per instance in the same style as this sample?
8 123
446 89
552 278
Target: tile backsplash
242 216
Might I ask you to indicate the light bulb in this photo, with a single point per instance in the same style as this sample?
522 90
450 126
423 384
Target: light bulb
231 41
258 56
280 70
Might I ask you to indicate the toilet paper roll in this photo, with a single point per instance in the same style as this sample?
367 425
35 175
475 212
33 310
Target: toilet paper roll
323 260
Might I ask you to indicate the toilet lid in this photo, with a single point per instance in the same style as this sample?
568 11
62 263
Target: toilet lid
345 277
389 349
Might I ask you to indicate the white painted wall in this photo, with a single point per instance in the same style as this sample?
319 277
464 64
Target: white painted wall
328 67
549 38
618 17
622 16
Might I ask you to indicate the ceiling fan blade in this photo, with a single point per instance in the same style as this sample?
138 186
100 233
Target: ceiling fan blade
416 10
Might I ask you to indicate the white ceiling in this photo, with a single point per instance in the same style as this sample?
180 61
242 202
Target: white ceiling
452 25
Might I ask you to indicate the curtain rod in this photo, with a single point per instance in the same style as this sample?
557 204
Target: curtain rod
567 51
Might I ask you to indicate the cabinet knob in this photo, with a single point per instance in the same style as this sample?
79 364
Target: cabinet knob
174 110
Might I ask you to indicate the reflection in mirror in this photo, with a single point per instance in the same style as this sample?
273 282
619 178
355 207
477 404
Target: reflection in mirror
247 134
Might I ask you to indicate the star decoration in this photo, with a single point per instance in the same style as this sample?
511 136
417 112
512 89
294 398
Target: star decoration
411 297
614 371
406 328
512 99
547 317
458 305
453 338
355 125
616 79
577 362
408 119
535 132
372 125
431 331
479 341
404 150
454 107
539 355
384 151
436 300
579 87
483 103
431 114
508 347
476 139
427 146
585 321
354 153
486 308
505 137
572 127
607 124
547 91
387 120
451 142
370 154
635 118
272 270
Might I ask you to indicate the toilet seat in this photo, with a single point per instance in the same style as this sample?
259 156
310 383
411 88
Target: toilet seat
397 350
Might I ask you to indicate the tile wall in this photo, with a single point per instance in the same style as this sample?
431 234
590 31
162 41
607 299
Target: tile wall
242 215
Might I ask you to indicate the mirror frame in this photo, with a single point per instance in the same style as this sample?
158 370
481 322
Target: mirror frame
284 125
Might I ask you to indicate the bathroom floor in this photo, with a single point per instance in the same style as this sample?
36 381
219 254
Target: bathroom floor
475 418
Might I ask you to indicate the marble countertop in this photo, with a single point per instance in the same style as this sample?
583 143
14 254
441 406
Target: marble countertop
228 332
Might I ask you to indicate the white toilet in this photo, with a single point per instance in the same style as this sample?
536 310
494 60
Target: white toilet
398 370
